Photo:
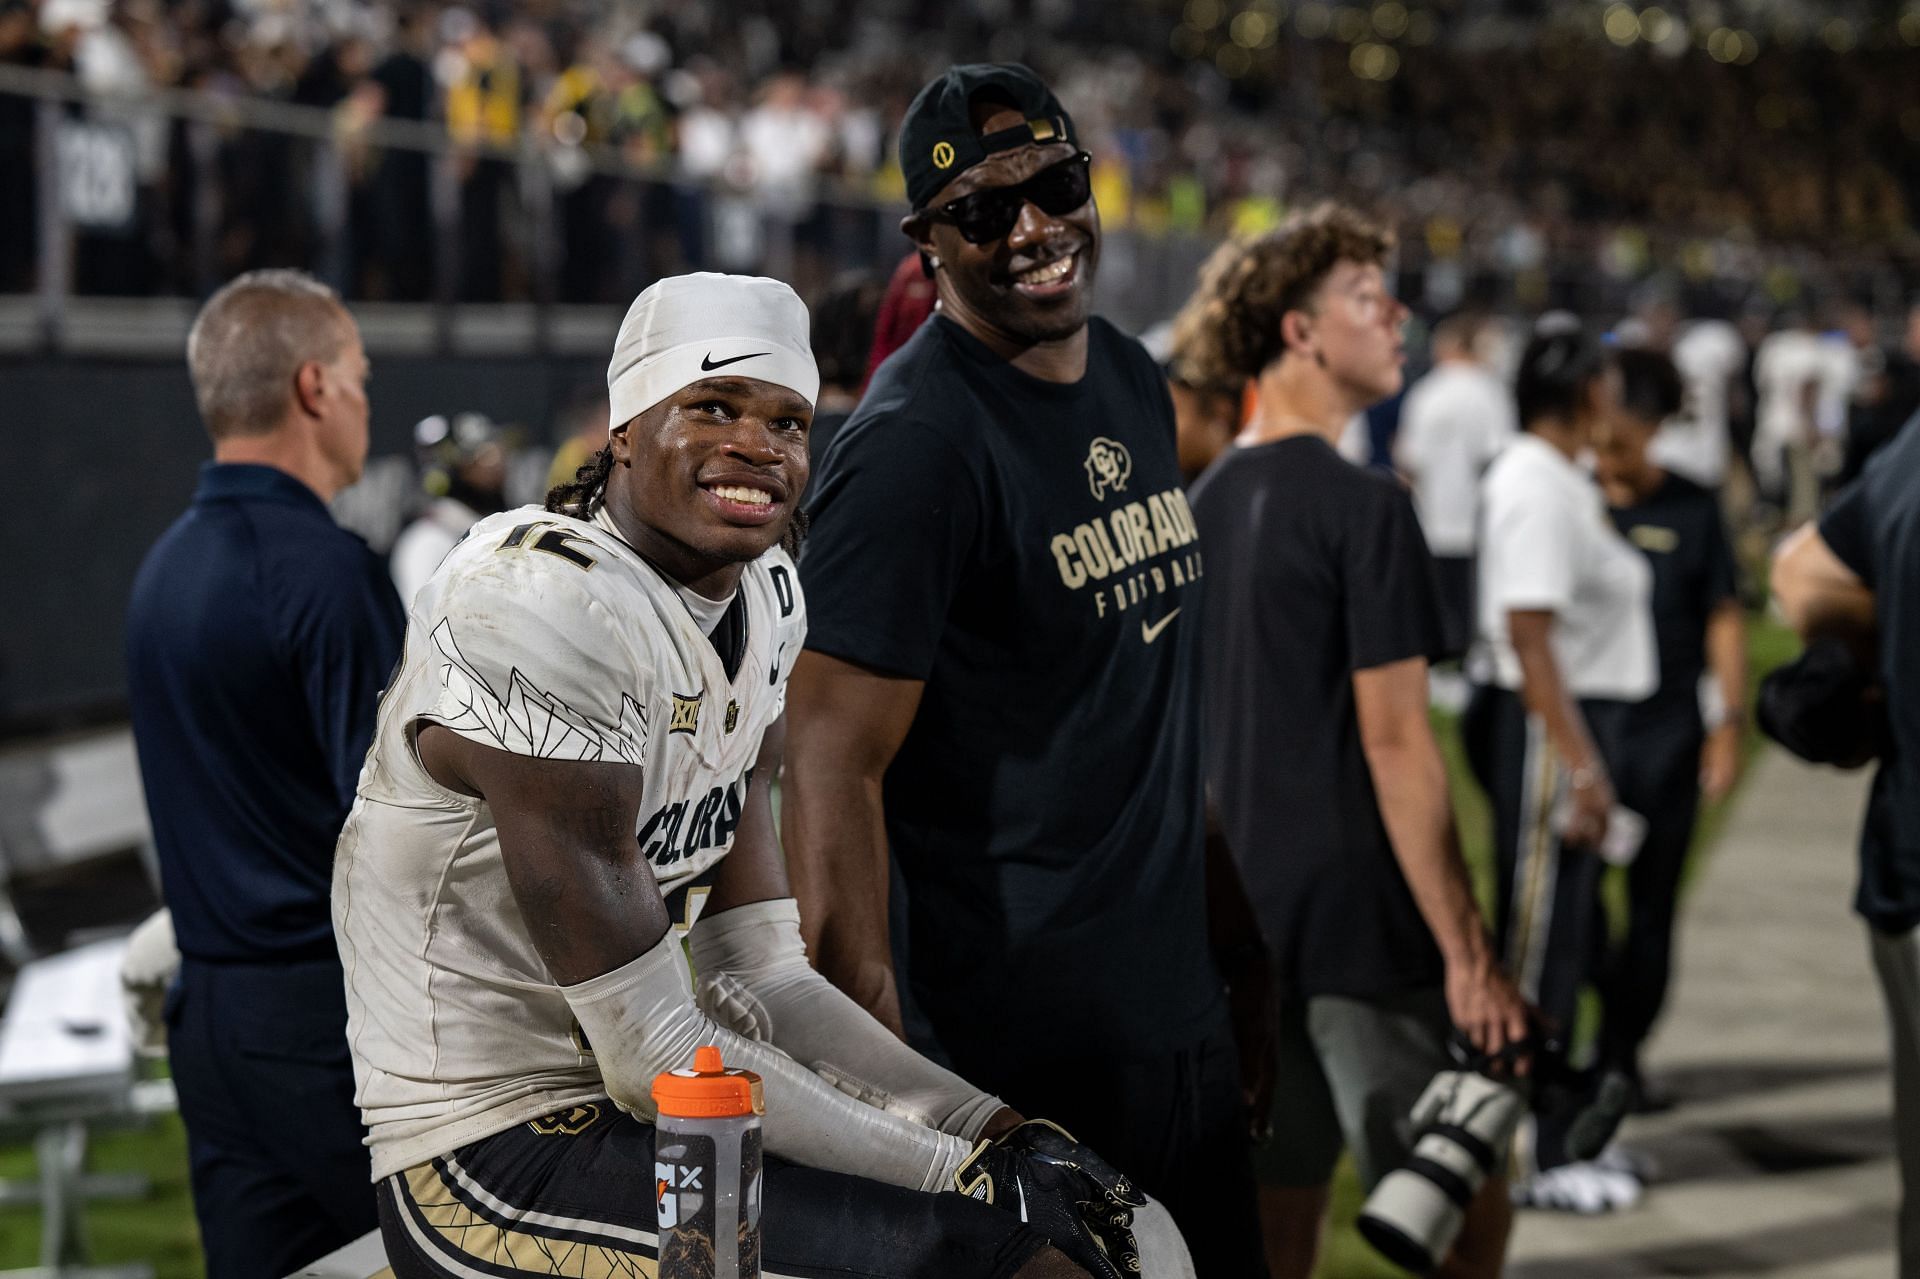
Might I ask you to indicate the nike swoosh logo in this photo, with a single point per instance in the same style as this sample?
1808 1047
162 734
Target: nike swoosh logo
708 364
1151 633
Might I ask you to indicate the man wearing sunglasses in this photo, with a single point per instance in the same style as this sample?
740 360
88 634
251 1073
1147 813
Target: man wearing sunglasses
1001 685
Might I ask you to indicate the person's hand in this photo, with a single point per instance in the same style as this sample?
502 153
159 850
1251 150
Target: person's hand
1078 1201
1720 762
1590 800
1487 1009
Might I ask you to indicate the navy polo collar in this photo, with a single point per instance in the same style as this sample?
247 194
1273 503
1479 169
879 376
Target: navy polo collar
230 480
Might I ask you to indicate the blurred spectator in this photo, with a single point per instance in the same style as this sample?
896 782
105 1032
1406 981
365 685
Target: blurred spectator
584 422
465 478
1453 423
485 102
1695 441
1565 647
909 299
1788 370
1850 357
1671 758
19 229
784 143
400 216
843 322
1206 415
1889 400
1207 406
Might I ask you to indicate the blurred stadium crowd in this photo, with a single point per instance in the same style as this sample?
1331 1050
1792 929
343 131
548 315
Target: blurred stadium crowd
1554 159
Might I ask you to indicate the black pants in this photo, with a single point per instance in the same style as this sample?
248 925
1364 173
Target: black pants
1454 576
1547 917
260 1061
1172 1119
1657 777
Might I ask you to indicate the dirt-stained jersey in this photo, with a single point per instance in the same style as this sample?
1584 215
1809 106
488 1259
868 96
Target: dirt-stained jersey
545 636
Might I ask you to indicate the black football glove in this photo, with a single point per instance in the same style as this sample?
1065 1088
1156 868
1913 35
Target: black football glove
1077 1200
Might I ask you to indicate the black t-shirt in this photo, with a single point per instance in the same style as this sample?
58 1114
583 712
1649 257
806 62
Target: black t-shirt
820 437
1315 569
1678 528
1024 548
1874 529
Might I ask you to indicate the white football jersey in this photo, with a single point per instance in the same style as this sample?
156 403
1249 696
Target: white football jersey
546 636
1694 442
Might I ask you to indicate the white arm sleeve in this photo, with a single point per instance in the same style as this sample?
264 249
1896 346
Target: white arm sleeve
755 980
641 1019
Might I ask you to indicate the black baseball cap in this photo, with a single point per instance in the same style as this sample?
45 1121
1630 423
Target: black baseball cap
938 140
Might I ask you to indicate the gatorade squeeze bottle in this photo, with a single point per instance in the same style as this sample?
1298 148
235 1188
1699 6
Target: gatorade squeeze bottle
706 1170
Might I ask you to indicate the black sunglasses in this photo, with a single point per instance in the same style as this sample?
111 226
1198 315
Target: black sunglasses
988 215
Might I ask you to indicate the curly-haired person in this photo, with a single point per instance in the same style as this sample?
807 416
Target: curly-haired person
1322 614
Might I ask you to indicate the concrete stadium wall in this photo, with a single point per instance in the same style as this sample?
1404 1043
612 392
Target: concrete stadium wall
97 457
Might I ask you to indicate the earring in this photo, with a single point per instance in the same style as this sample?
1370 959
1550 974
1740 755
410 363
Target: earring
933 260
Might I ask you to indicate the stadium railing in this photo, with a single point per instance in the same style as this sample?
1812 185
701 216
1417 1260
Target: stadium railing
136 205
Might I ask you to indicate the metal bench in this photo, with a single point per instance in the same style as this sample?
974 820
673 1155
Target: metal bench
67 1062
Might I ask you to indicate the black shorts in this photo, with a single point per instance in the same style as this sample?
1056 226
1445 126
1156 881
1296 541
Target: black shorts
573 1193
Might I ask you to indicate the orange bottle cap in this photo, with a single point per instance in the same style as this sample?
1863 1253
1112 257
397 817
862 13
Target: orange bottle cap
708 1090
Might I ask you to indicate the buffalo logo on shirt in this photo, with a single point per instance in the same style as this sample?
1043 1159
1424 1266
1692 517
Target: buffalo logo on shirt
686 714
1109 466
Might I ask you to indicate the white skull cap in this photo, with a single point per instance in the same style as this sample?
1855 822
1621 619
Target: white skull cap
689 327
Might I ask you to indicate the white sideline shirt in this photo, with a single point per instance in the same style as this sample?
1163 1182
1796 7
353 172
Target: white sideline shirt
1693 442
1455 421
1787 369
1548 544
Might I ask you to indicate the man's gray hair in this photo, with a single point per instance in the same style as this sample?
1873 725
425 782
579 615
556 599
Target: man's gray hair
251 338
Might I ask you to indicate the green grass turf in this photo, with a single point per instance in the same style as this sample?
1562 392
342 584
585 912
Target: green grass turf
160 1229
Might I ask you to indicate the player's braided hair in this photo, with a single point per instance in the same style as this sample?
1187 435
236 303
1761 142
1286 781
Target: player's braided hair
577 497
1229 329
588 487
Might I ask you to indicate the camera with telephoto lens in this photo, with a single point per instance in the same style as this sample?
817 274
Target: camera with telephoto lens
1463 1127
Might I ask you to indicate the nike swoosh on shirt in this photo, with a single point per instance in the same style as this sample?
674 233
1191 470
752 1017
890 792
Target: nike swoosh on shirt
708 364
1150 633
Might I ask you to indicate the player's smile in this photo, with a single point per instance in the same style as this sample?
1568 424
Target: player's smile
745 497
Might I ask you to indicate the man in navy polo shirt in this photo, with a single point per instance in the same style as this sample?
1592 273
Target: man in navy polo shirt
258 638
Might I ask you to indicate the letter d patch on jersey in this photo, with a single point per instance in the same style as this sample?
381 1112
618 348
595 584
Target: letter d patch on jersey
686 714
